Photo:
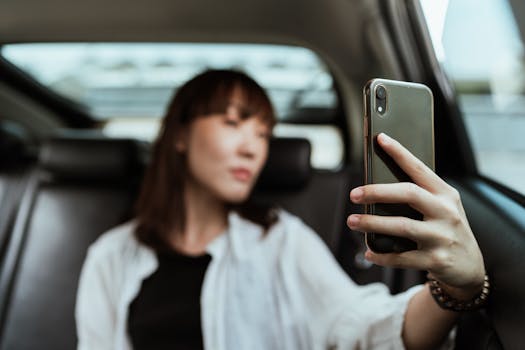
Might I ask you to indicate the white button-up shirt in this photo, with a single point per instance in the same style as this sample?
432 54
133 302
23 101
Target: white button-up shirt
283 290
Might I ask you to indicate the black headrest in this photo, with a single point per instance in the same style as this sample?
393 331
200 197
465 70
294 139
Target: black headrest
91 157
14 141
288 166
98 158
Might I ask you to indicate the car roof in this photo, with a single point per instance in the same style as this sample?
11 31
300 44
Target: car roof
333 28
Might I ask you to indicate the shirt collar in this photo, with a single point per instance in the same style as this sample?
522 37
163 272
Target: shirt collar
239 237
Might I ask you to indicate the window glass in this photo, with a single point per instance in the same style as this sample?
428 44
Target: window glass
128 85
481 49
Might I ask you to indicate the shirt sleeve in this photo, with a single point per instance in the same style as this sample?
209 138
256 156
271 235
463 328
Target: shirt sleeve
343 314
95 311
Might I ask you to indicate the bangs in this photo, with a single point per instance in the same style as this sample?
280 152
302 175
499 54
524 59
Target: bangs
217 92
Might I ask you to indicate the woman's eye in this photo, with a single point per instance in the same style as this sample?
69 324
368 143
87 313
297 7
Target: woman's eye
231 122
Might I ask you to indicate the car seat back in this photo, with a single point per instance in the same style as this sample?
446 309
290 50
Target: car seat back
82 187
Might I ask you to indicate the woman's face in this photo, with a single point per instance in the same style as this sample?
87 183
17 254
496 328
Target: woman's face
225 153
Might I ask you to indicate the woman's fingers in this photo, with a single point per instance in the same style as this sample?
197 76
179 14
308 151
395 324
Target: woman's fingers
406 193
412 259
415 168
390 225
446 246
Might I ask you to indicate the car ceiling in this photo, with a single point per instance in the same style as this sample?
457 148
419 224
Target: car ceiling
320 25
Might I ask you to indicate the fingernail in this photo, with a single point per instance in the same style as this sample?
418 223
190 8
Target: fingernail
356 194
368 255
354 220
385 138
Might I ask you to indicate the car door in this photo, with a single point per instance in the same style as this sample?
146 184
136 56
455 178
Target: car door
472 55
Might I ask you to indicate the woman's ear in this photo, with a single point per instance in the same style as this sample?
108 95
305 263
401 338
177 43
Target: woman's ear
181 144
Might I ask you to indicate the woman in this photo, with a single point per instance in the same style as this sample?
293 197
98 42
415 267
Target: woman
260 278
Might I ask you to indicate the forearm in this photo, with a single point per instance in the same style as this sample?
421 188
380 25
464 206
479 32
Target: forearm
426 324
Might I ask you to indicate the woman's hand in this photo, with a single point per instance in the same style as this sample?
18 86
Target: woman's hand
447 248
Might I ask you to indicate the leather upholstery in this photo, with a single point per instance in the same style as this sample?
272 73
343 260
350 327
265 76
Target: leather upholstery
90 157
59 217
15 164
288 166
85 186
13 144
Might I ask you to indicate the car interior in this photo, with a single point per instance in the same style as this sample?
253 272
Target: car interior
64 181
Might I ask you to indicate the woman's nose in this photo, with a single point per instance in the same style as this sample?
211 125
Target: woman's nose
249 146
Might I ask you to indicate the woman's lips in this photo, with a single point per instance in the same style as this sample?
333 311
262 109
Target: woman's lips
241 174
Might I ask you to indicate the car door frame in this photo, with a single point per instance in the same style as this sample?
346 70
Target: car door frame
496 213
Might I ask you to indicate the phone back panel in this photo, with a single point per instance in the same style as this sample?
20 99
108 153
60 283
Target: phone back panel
409 118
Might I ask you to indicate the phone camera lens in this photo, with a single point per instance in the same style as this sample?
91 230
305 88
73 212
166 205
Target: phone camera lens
380 103
381 92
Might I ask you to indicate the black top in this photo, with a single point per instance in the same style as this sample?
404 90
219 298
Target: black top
166 313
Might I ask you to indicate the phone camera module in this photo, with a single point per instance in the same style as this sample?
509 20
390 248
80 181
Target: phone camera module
381 92
381 99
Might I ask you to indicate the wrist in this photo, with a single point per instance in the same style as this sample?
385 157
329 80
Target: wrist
459 299
462 293
465 291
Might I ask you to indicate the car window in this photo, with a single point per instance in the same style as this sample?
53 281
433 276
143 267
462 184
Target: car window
481 49
128 85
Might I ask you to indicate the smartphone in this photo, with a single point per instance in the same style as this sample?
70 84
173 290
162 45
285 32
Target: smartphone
404 111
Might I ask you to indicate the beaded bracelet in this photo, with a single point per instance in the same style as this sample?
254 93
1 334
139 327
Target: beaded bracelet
446 301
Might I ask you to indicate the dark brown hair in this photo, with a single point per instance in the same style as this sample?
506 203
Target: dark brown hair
160 206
